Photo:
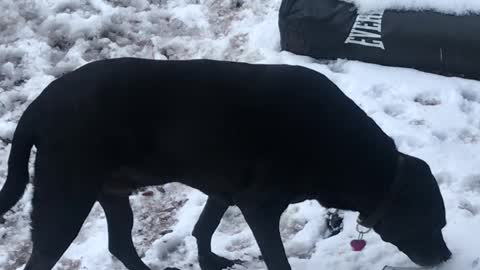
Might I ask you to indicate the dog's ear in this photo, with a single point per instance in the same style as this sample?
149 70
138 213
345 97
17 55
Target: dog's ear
419 202
424 193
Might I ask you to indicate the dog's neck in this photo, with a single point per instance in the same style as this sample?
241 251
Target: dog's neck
371 196
369 220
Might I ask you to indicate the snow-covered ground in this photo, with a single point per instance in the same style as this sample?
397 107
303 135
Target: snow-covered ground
430 116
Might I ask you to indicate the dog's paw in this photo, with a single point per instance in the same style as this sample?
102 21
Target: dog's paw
215 262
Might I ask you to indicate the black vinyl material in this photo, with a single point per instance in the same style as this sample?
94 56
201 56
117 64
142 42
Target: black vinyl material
425 40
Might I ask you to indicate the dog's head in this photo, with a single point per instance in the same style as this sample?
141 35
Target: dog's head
415 220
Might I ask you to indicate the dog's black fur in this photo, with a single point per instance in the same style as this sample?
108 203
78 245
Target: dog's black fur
257 136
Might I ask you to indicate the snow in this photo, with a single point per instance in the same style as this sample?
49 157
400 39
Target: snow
429 116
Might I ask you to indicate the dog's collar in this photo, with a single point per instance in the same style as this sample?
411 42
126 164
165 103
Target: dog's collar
371 220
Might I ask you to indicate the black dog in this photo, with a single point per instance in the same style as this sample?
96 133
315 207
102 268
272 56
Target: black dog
257 136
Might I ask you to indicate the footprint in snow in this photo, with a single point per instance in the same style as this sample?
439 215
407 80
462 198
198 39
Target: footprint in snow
466 205
471 183
440 135
417 122
466 107
376 91
470 95
467 136
476 263
444 178
428 99
394 110
471 100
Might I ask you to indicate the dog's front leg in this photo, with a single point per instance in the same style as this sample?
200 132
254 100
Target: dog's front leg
204 228
263 217
120 222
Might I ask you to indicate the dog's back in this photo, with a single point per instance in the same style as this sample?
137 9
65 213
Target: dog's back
203 118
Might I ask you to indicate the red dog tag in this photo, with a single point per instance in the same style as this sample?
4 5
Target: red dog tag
358 244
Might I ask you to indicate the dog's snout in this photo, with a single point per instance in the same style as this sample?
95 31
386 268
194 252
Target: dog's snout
432 259
447 256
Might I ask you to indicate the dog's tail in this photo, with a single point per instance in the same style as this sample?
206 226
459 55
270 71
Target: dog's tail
18 177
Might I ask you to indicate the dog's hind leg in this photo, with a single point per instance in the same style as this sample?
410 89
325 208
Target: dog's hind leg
120 222
204 228
57 217
263 217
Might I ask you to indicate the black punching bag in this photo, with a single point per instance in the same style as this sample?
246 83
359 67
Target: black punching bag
425 40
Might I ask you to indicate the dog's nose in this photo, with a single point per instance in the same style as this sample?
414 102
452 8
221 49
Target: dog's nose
447 256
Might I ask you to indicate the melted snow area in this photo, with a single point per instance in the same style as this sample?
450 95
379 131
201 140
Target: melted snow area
433 117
